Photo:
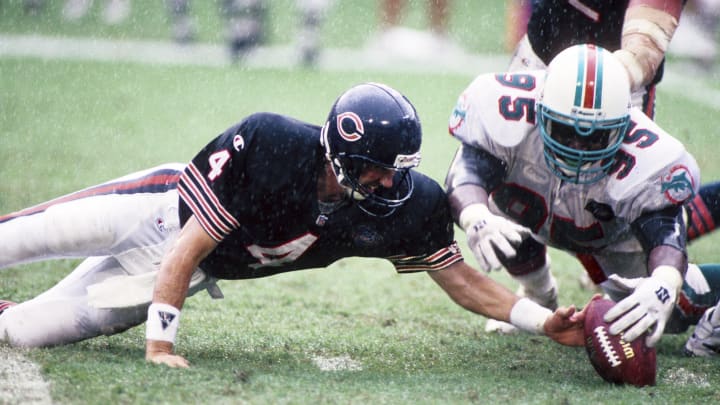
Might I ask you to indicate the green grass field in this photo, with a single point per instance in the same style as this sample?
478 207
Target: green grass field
70 124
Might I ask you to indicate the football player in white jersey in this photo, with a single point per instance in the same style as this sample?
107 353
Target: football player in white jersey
559 158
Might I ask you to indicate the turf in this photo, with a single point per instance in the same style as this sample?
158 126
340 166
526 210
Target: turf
67 125
479 26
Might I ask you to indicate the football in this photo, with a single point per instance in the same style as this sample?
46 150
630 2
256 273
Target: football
615 360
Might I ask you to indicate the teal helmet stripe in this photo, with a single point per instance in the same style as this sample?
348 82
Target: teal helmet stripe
579 87
598 78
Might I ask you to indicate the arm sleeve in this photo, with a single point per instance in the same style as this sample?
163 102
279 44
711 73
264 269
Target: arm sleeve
663 227
475 166
210 181
430 246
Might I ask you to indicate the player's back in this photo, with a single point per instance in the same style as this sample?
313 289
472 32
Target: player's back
557 24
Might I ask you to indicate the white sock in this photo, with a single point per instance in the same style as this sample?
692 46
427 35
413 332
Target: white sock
715 317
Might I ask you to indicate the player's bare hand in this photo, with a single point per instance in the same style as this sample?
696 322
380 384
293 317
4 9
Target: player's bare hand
168 359
158 352
565 326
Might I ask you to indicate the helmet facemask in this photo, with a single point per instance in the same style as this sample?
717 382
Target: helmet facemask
379 201
580 150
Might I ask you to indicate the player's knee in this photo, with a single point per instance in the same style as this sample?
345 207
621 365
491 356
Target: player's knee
16 330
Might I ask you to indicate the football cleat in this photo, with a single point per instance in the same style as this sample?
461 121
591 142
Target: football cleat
5 305
705 340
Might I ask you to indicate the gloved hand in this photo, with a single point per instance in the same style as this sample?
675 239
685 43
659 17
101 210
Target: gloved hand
648 307
487 232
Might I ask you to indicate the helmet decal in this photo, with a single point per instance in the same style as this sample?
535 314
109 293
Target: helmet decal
678 185
588 91
407 161
459 113
357 123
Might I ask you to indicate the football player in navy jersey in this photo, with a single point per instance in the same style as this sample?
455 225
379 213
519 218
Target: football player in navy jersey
638 31
269 195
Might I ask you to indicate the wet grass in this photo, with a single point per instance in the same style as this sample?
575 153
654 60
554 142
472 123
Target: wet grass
66 125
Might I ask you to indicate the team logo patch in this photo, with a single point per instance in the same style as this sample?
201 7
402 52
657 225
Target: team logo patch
678 184
238 142
459 112
166 319
367 237
350 126
160 225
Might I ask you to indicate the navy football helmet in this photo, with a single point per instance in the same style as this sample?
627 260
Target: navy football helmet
369 125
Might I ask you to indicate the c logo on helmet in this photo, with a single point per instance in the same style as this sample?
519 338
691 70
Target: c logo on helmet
357 123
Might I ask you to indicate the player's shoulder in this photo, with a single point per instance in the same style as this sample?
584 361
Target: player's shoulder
426 186
650 144
652 159
489 86
590 8
275 125
497 107
274 133
427 197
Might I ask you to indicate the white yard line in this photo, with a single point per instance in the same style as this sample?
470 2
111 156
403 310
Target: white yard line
340 363
169 53
20 380
677 79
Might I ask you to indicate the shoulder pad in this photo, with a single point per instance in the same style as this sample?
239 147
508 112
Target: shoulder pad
653 167
497 108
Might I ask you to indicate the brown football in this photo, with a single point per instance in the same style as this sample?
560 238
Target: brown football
614 359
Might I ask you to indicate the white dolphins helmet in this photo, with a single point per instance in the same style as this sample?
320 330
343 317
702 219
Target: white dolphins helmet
583 112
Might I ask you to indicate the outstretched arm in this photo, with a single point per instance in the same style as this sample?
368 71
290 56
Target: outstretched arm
178 264
478 293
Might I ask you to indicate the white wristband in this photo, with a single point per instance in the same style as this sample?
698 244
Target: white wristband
529 316
162 322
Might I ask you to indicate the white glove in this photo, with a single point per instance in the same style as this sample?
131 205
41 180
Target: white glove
487 232
648 307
